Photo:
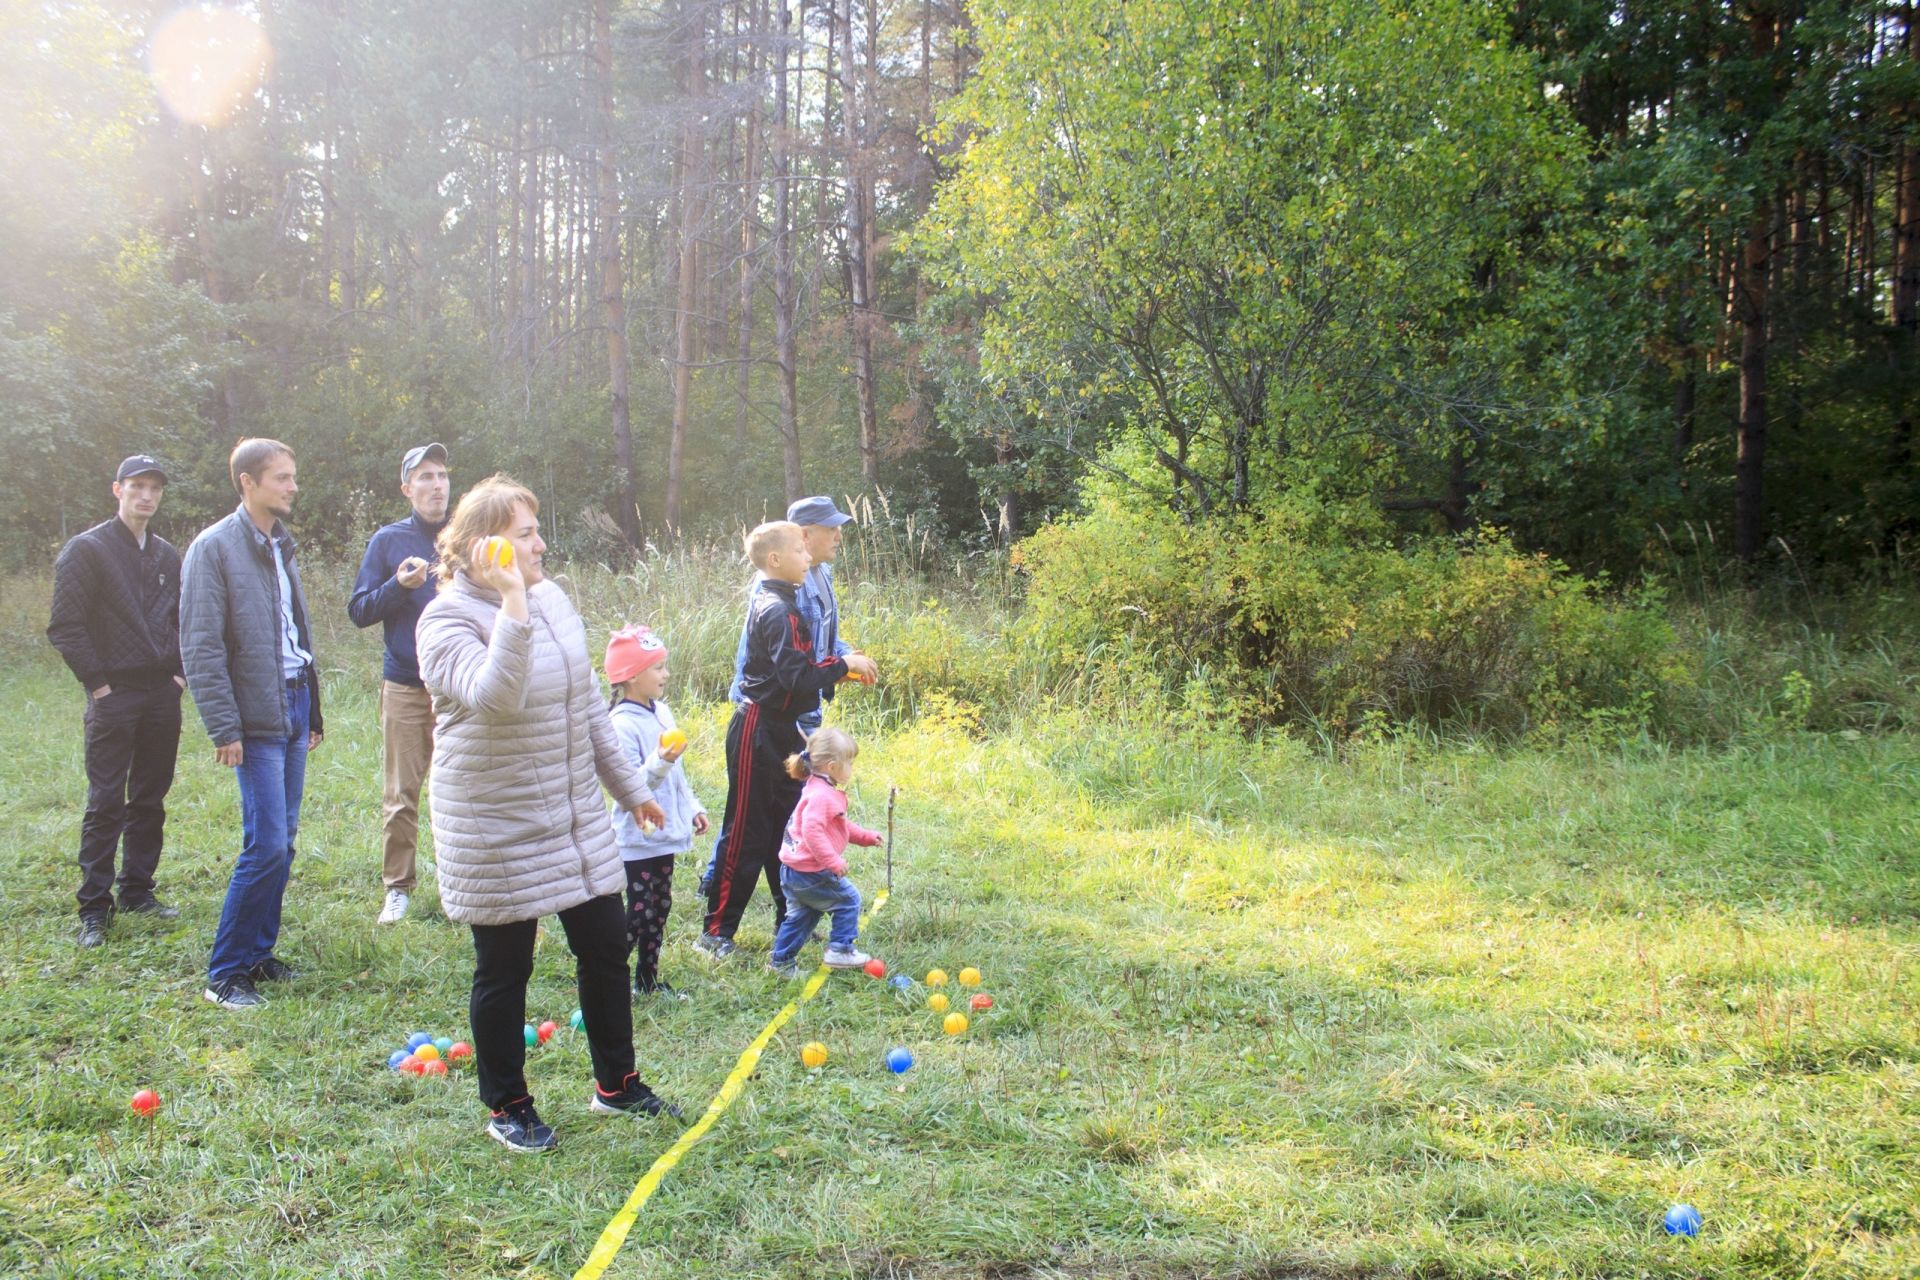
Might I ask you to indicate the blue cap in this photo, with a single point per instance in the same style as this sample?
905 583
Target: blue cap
818 510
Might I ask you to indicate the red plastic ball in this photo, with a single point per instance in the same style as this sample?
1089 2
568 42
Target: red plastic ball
412 1067
460 1051
434 1068
547 1029
145 1102
876 968
981 1001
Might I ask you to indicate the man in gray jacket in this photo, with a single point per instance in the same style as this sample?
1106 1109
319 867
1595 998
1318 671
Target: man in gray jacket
248 653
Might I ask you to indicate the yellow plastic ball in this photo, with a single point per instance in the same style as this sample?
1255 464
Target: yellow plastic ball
955 1023
499 550
969 977
936 977
937 1002
813 1053
672 740
426 1053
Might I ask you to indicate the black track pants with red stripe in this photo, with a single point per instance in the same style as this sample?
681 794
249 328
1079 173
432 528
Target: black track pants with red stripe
760 799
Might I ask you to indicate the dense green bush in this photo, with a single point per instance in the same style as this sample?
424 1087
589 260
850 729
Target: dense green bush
1309 611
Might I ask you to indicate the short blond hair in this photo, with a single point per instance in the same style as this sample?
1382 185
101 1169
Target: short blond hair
484 510
774 535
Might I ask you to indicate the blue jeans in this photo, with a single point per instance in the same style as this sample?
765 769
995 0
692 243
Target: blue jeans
272 774
810 895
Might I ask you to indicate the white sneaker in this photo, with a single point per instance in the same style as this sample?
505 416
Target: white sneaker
396 909
855 959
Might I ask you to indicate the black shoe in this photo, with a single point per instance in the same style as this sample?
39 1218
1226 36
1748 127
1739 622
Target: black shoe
149 907
273 969
658 991
714 947
518 1127
634 1098
93 931
235 993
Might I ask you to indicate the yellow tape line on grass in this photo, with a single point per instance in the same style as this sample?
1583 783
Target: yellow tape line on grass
615 1234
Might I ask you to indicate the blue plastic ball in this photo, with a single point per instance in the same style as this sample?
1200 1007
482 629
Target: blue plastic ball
1683 1220
899 1060
533 1037
417 1039
900 982
443 1043
397 1057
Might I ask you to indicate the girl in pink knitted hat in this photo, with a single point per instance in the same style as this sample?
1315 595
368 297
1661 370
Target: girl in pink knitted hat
636 667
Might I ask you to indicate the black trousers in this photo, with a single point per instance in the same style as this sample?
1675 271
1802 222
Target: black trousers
760 799
503 964
649 899
133 742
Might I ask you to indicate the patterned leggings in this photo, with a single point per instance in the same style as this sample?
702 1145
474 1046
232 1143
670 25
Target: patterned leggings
649 898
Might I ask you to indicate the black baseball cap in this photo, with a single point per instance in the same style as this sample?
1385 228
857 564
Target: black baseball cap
141 464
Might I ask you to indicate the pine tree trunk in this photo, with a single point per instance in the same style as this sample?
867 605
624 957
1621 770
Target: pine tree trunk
749 207
686 322
783 301
859 275
1749 527
606 239
1906 205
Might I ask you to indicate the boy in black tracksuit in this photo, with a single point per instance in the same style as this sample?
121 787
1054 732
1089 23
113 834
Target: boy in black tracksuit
780 682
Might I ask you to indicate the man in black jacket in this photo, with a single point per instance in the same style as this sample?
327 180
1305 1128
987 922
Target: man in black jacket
116 621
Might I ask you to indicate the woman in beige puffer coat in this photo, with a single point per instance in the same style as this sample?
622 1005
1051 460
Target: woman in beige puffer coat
522 744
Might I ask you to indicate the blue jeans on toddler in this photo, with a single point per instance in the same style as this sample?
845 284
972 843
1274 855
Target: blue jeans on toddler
810 895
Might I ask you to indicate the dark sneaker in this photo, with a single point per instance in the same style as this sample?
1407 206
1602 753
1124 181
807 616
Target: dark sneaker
149 907
658 991
93 931
714 947
787 969
634 1098
518 1127
274 969
235 993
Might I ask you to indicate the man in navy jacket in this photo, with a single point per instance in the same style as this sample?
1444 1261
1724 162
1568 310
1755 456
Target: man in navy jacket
394 586
116 621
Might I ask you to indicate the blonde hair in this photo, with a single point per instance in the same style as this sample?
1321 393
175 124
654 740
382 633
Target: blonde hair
774 535
825 747
483 510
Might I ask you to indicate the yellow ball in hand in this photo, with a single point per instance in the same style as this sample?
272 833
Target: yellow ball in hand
937 1002
955 1023
499 551
672 740
813 1053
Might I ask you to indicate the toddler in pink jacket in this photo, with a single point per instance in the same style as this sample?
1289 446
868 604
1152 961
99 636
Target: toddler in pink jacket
813 863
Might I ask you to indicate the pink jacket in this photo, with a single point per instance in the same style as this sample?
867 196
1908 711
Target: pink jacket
818 833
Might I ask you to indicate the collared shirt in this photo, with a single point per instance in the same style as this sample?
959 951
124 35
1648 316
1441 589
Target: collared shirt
293 659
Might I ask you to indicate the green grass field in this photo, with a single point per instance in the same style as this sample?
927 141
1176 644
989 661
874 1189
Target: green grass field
1415 1010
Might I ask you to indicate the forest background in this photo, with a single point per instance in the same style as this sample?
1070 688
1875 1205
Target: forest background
1391 361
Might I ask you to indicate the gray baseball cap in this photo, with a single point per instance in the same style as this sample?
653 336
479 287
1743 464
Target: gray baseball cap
418 454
